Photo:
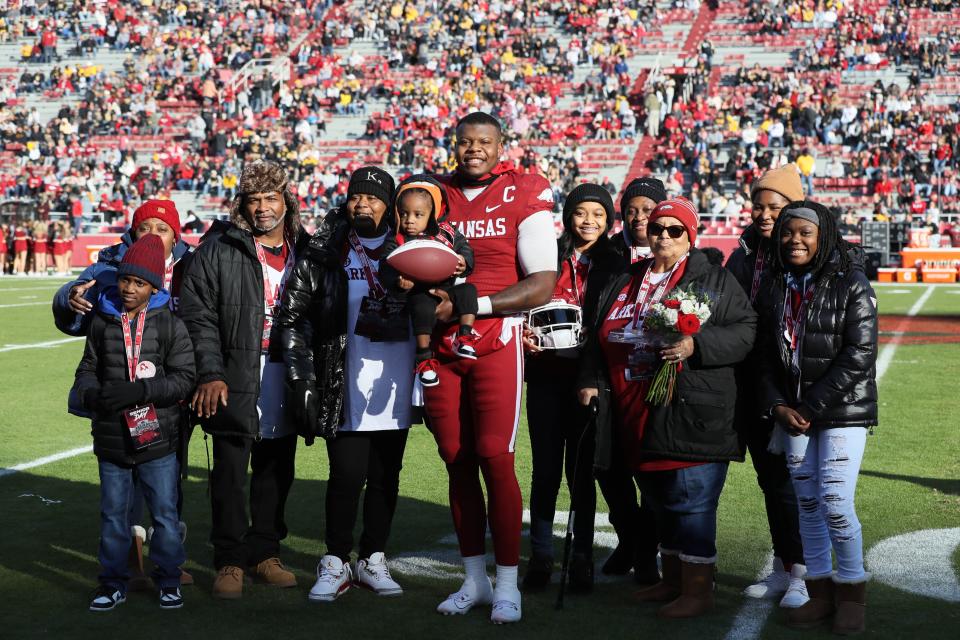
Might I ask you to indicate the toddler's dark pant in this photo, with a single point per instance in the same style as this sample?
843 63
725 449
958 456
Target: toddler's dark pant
423 306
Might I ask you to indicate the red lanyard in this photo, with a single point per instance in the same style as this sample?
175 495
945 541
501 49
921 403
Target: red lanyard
578 293
794 317
376 289
168 276
643 303
757 273
269 293
131 345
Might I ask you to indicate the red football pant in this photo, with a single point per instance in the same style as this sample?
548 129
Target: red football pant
473 414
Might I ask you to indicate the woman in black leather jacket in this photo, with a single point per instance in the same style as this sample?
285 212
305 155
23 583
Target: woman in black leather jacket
818 333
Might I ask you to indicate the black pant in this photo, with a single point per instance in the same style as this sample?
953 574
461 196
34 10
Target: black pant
558 422
635 523
423 306
236 540
779 497
358 458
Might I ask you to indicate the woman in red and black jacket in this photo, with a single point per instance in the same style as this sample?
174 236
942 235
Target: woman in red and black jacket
558 425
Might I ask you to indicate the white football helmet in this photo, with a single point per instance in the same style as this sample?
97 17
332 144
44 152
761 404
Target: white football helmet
556 325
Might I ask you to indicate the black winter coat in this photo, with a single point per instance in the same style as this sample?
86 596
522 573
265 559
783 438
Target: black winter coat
222 306
167 345
838 353
699 424
312 322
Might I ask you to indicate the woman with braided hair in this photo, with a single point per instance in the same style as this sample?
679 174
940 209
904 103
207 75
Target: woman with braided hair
818 335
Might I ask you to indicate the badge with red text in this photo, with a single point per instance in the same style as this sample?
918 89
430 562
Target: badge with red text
143 425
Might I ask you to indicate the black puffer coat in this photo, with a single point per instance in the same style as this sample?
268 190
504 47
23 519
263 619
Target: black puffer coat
839 350
221 304
167 345
698 425
312 323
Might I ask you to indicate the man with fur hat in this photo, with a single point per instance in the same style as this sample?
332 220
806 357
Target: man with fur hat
231 293
773 191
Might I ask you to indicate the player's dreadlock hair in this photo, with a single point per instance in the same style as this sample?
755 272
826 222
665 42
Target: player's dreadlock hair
479 117
830 244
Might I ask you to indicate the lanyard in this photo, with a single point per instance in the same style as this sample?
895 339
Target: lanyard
376 289
168 276
758 266
131 345
269 293
643 302
577 292
794 318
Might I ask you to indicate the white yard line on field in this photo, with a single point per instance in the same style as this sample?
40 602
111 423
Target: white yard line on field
886 354
39 345
23 304
16 289
753 614
46 460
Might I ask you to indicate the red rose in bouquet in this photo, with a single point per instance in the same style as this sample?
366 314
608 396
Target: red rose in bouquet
688 324
671 304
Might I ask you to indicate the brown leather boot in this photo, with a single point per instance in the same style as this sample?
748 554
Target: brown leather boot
851 616
669 586
818 608
271 572
228 584
696 592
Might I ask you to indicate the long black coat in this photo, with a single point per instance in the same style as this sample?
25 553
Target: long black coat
838 354
699 424
221 304
167 345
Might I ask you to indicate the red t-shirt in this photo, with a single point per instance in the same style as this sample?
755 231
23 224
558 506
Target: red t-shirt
630 408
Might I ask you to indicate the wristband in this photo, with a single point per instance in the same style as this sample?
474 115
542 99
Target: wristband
484 306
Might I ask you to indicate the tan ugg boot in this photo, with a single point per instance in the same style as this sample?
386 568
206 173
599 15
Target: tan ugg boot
272 572
139 581
669 586
818 608
185 577
228 584
696 592
851 616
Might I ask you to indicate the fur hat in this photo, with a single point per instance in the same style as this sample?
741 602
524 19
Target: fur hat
264 176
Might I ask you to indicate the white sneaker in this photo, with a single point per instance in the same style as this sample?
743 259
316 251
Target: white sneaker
505 611
773 585
374 574
465 599
796 595
333 579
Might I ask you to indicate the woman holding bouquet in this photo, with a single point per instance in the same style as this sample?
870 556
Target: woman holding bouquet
680 443
818 342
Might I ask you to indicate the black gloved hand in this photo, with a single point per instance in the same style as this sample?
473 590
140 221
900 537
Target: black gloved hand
91 399
305 401
120 395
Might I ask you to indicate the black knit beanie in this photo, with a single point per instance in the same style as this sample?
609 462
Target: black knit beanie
372 181
587 192
649 187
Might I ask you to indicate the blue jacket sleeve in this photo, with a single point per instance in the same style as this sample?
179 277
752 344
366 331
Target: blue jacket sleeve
66 319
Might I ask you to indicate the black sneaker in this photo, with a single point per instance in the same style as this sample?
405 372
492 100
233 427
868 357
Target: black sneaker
106 598
170 598
539 570
619 562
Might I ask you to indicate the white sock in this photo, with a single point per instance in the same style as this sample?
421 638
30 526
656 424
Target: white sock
506 588
476 580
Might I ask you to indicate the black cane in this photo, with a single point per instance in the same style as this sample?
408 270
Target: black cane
593 409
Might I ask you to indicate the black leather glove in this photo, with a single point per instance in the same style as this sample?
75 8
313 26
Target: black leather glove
120 395
91 399
305 402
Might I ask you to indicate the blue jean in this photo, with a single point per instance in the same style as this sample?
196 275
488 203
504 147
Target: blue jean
685 503
158 479
824 465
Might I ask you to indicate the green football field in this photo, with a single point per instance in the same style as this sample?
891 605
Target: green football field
908 501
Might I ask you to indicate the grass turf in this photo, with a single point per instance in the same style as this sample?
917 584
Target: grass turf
910 480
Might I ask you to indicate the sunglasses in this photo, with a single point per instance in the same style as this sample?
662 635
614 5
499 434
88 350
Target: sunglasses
675 231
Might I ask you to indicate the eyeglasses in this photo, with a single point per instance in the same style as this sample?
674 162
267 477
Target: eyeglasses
675 231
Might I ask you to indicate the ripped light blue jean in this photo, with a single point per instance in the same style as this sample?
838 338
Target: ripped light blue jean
824 465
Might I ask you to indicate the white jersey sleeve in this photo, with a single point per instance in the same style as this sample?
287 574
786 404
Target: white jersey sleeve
537 243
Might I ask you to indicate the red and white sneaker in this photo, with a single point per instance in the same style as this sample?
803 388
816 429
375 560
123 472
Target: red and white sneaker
465 346
427 372
334 577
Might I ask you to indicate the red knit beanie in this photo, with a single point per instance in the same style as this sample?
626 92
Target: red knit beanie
165 210
681 209
144 260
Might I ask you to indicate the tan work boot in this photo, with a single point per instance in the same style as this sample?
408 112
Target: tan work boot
696 592
851 616
669 586
818 608
139 581
228 584
271 572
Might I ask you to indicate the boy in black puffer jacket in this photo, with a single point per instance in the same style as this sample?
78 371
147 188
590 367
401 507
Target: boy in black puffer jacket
137 366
